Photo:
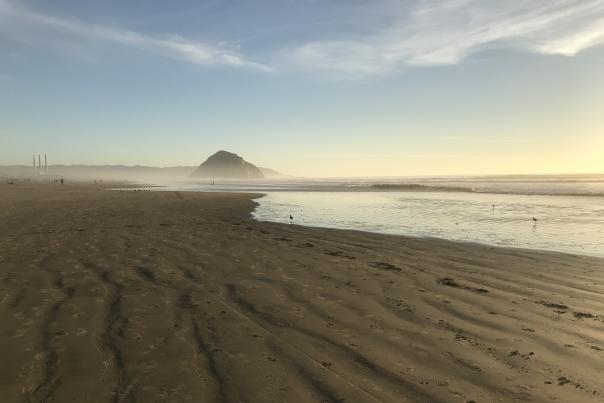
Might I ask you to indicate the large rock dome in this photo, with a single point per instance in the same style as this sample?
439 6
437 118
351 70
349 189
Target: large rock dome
226 165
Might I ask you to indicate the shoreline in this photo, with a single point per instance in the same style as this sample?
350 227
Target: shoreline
259 195
436 238
181 296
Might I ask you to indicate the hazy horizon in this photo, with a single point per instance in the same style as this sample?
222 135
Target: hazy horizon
24 167
310 89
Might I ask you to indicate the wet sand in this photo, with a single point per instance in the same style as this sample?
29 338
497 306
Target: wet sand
109 296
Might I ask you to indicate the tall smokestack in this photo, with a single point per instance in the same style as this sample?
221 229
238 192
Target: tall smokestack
39 164
34 158
45 165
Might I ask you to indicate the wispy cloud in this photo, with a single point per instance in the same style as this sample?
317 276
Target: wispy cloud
170 46
445 32
418 33
574 42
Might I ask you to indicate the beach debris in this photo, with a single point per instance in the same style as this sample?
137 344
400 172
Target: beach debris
450 282
526 356
339 253
385 266
559 306
563 380
282 238
581 315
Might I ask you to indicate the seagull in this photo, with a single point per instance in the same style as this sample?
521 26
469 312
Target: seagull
291 219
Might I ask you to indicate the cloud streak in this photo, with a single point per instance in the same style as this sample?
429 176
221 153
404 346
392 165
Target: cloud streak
445 32
418 33
573 43
169 46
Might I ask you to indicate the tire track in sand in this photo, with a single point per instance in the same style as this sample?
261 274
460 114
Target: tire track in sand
114 325
185 305
50 380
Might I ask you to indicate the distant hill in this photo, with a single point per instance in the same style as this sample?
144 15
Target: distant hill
272 174
106 172
226 165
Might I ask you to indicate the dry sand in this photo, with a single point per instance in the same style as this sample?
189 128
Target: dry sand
111 296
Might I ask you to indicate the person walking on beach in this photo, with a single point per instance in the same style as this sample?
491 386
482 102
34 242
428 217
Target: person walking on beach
62 181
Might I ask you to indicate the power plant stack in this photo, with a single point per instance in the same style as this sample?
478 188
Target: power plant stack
38 168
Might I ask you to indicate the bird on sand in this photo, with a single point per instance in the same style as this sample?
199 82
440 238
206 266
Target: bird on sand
534 219
291 219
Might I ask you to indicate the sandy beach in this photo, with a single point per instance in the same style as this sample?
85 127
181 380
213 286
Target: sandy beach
122 296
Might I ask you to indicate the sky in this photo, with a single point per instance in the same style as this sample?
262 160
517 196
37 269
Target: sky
307 87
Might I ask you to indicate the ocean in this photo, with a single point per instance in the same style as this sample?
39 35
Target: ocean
557 213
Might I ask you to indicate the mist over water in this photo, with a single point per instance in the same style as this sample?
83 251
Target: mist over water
569 209
577 185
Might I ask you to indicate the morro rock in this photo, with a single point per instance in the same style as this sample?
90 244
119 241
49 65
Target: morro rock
226 165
